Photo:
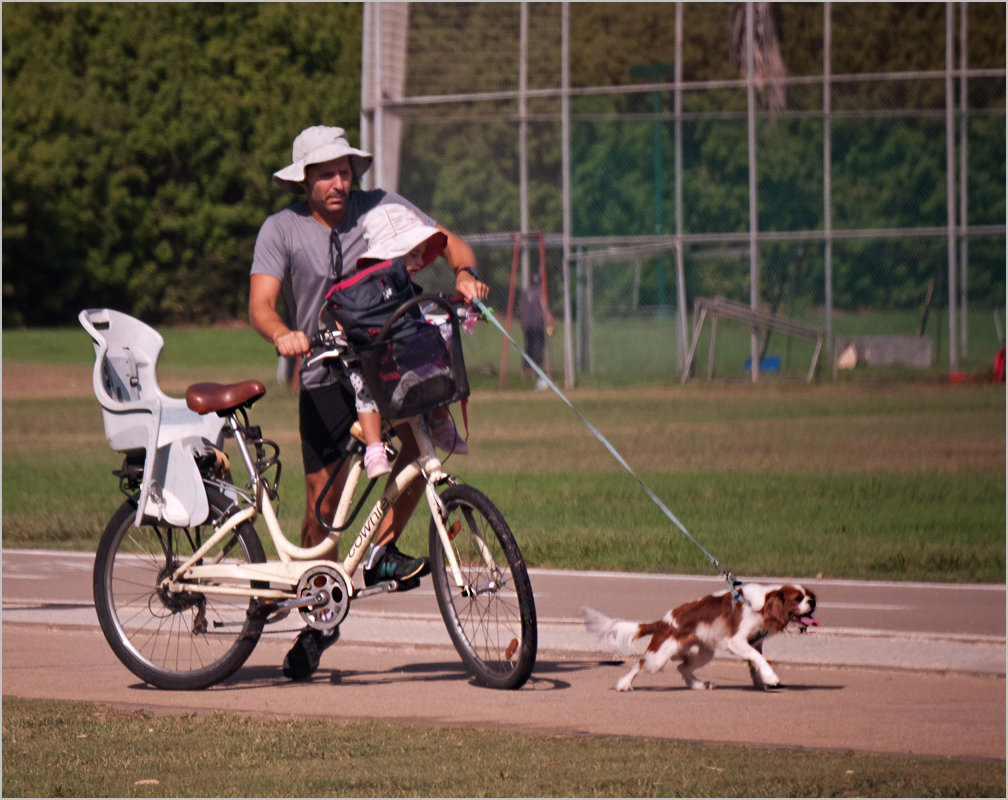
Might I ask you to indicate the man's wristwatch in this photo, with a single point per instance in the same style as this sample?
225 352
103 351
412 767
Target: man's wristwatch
471 271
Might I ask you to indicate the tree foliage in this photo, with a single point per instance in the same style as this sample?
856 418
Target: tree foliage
139 139
888 139
138 150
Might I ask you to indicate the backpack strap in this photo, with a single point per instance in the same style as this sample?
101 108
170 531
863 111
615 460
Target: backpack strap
357 277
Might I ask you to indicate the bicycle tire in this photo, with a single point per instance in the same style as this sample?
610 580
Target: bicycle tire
493 628
172 641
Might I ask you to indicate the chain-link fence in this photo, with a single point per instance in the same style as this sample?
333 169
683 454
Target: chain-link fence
857 181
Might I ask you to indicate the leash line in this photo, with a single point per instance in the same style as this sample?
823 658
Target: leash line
488 315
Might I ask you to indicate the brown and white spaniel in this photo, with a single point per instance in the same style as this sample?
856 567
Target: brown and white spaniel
693 631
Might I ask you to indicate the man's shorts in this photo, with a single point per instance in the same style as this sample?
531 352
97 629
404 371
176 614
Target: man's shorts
326 414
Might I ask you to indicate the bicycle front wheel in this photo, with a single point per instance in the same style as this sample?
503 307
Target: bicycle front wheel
491 618
173 640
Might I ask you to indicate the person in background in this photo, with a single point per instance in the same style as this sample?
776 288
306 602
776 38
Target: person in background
300 252
536 322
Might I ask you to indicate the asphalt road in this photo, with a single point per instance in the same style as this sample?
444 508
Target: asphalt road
892 667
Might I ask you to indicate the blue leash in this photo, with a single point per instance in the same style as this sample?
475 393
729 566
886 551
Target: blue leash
732 583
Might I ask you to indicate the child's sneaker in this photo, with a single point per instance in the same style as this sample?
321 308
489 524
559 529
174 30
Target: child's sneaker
444 435
376 461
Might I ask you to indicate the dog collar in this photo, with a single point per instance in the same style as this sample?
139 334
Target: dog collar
737 596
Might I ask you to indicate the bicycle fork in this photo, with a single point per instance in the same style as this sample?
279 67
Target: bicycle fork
440 516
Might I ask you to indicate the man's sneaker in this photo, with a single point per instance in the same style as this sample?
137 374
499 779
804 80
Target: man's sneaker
395 566
303 658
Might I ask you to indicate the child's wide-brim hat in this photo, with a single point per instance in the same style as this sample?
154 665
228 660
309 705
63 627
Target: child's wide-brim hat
317 145
392 230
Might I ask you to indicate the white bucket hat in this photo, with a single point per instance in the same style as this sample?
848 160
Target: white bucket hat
392 230
316 145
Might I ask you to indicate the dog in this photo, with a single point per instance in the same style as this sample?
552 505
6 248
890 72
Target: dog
738 622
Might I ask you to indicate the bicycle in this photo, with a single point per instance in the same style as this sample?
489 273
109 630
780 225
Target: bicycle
182 586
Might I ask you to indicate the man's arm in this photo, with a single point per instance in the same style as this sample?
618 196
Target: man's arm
460 258
264 294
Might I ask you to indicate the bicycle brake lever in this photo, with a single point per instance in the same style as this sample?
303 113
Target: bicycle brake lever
318 358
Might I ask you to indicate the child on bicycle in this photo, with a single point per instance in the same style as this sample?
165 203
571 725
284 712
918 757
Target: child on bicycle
393 231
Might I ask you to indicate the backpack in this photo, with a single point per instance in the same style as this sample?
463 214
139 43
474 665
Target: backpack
413 368
363 302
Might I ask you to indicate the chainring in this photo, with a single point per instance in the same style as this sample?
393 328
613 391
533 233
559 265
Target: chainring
334 598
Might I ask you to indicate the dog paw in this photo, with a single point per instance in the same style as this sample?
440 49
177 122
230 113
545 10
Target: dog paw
701 686
624 686
764 679
768 682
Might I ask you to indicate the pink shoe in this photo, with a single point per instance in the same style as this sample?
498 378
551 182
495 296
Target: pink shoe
376 461
444 435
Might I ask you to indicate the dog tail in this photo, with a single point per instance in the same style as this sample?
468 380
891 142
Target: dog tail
614 634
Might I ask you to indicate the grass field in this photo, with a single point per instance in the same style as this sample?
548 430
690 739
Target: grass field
81 749
870 478
879 476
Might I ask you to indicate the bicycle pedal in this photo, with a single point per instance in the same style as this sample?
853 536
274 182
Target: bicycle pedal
406 585
270 613
378 588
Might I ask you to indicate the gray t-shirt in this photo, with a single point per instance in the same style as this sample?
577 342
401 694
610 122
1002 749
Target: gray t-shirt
293 247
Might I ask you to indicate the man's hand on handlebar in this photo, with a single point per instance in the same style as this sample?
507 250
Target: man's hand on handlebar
325 345
291 343
467 285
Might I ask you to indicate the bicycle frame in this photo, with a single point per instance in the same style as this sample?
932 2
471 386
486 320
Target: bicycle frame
296 561
182 586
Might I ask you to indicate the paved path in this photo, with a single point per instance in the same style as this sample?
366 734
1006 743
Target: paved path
900 668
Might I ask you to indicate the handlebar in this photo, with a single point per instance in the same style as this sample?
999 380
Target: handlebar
326 344
452 312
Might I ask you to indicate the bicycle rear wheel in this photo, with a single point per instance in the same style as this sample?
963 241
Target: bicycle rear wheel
185 640
492 618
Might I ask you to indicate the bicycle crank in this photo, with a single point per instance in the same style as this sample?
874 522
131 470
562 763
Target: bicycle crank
323 597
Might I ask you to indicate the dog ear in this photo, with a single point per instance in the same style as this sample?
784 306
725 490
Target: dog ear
775 616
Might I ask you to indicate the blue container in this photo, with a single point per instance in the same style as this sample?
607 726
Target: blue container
766 364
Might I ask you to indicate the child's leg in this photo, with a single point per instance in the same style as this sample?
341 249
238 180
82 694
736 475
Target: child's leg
375 458
443 432
370 422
